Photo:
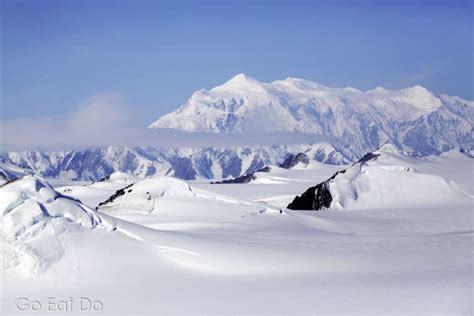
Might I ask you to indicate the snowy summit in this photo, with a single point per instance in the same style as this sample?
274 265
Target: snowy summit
412 118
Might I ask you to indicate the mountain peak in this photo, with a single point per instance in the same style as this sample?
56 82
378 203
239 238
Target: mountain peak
241 77
361 120
239 81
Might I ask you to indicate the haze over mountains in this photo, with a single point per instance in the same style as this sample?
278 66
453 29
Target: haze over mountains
346 124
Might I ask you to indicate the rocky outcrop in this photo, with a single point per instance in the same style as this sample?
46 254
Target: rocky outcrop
245 178
117 194
315 198
292 160
319 197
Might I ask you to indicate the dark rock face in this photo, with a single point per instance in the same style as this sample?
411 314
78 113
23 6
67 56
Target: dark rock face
315 198
319 197
367 157
106 178
245 178
292 160
117 194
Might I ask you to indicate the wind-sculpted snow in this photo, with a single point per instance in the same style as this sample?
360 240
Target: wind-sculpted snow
385 178
186 163
414 119
32 215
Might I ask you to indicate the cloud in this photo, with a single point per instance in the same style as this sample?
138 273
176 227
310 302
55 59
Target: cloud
100 112
95 121
106 120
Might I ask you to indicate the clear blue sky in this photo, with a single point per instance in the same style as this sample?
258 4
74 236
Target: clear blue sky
156 53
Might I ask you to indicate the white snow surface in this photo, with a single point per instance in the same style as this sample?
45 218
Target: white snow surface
33 214
392 179
227 249
282 103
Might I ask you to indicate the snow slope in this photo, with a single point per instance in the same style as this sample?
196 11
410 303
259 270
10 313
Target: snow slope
92 194
33 214
166 197
385 178
220 249
412 118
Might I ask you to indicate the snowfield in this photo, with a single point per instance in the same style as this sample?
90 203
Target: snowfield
162 246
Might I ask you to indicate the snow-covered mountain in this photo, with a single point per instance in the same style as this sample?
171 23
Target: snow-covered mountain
184 163
166 196
413 119
9 171
385 178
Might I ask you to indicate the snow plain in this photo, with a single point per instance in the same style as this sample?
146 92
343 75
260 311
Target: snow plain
202 249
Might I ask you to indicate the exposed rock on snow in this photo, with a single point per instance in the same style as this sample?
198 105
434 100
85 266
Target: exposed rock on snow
141 196
384 178
293 160
167 197
117 194
315 198
245 178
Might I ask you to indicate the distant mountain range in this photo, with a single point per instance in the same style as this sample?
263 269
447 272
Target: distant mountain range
184 163
413 119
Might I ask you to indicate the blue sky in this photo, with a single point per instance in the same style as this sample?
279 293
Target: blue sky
156 53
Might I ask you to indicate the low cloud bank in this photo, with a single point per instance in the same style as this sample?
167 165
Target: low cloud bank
105 120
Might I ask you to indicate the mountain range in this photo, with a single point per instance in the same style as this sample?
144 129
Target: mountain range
94 164
413 119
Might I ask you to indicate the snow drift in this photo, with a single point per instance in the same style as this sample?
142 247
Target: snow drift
32 216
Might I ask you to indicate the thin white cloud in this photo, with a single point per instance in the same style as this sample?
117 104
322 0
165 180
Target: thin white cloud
105 119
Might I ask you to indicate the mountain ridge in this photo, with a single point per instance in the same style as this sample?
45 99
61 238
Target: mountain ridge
362 120
96 163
